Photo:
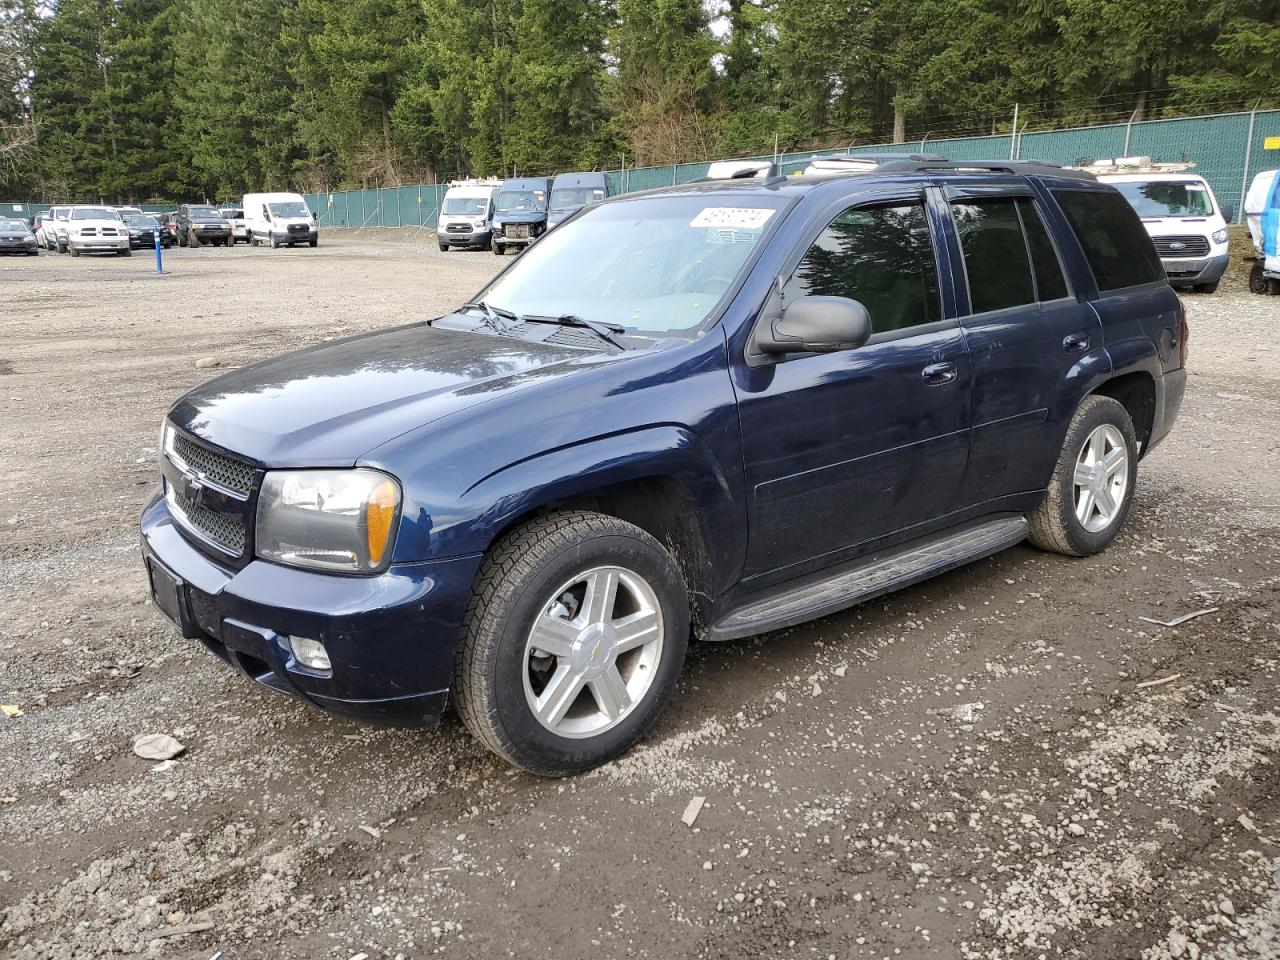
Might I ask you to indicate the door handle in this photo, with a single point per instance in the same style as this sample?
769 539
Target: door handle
1075 342
936 373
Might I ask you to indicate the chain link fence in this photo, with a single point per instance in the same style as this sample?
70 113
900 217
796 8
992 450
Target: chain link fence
1228 149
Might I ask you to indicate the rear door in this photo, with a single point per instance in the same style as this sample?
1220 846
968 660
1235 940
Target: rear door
845 449
1027 333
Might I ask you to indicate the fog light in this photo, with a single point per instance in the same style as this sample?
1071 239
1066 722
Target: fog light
310 653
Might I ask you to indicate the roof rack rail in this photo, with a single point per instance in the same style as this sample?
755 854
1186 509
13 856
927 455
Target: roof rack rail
1042 167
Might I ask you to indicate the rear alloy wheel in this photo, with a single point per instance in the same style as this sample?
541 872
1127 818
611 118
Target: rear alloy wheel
575 636
1089 495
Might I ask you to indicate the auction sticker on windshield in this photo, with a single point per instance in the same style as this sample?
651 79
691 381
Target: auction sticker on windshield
740 218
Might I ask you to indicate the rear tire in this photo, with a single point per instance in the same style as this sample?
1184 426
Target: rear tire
1085 506
548 572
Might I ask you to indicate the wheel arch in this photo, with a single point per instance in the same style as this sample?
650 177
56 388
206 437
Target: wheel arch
1136 392
663 479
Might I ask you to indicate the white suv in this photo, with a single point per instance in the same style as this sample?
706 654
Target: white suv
1182 216
97 230
55 229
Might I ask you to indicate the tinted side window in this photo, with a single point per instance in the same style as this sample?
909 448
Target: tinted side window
995 254
883 258
1120 252
1050 283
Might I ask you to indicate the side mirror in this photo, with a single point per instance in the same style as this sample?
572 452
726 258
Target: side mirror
816 325
1229 213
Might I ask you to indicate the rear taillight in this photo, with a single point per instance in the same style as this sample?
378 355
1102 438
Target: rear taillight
1184 333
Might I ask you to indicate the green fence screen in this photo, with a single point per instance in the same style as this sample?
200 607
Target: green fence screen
1228 149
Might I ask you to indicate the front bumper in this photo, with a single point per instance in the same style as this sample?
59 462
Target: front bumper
476 238
18 246
1186 273
206 235
390 638
100 244
148 241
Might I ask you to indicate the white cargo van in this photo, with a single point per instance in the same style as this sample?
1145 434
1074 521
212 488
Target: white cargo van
466 214
279 219
1181 214
1262 213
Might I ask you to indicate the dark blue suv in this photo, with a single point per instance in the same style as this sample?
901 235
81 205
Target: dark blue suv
718 409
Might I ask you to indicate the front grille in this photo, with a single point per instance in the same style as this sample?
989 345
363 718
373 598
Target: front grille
299 228
224 531
109 232
458 228
1191 246
235 475
518 231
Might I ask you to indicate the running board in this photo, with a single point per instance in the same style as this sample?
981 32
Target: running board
867 578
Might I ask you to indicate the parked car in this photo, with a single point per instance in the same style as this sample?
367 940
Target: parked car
169 222
199 224
571 192
143 228
280 220
16 237
37 227
1262 213
777 400
520 212
92 229
239 227
1180 213
125 211
466 215
55 228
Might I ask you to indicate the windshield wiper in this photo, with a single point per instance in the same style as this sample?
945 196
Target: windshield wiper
491 314
605 331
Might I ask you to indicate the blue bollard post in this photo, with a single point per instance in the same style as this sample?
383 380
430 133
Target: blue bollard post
159 255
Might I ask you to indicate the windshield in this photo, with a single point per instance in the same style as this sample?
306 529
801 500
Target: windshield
653 266
289 208
203 213
465 206
94 213
12 225
233 214
1168 198
522 201
141 220
571 198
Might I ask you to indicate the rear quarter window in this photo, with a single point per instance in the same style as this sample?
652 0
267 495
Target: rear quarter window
1118 249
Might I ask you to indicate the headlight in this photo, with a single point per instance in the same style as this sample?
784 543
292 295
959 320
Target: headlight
341 520
478 223
1220 236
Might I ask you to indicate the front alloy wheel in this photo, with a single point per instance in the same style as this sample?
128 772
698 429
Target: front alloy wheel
592 653
575 636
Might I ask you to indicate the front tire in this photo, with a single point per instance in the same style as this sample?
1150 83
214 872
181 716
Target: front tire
498 249
126 252
1091 490
574 638
74 251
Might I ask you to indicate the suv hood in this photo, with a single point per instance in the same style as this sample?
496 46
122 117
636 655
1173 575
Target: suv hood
525 216
330 404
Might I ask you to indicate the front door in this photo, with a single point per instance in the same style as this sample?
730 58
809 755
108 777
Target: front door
845 449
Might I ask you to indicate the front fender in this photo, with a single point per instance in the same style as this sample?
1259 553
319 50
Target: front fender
660 451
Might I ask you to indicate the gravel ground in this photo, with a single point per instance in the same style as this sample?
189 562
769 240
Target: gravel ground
1005 762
